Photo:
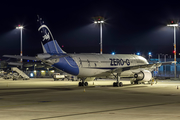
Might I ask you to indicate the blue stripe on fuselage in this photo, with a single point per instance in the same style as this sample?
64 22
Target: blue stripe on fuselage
67 64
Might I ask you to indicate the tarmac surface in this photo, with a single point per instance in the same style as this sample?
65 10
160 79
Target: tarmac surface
45 99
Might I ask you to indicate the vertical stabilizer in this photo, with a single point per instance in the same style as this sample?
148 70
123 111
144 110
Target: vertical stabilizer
44 50
49 44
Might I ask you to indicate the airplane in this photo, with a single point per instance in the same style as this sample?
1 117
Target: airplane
88 66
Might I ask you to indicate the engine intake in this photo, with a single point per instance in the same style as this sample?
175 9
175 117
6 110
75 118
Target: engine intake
143 76
43 56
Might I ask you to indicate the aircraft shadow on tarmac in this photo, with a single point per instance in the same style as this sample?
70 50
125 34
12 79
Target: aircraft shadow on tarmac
15 91
124 86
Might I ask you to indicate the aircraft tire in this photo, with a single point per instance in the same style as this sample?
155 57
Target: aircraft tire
81 84
135 82
120 84
115 84
86 83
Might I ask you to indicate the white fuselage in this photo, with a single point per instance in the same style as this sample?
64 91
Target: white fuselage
97 64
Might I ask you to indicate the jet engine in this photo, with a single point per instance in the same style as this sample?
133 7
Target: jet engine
143 76
43 55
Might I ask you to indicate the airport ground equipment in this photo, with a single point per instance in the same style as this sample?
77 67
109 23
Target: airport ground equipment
58 76
8 76
21 73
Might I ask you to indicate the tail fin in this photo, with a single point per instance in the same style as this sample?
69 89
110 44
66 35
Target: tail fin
49 44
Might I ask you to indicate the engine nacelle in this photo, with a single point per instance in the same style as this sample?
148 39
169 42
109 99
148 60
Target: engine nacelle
143 76
43 55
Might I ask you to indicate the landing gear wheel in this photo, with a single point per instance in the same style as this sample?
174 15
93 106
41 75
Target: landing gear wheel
135 82
86 83
80 83
120 84
115 84
83 83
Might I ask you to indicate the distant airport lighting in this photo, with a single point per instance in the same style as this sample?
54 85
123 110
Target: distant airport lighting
98 21
19 27
31 75
149 53
113 53
172 25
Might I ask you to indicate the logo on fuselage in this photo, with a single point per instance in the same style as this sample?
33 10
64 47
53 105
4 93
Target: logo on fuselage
119 62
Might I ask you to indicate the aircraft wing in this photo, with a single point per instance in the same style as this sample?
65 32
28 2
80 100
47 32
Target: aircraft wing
147 66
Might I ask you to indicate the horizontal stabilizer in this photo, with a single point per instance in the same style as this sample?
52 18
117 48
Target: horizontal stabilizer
21 57
35 58
15 63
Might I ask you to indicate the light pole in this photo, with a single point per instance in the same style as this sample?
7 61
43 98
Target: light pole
100 21
159 59
20 27
174 25
165 61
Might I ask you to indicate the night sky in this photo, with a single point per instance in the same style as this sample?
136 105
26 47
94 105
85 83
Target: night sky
130 26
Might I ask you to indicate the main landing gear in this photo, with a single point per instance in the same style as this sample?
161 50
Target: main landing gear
118 84
83 83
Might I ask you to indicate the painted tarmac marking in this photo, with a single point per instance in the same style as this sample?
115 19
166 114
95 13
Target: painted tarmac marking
107 111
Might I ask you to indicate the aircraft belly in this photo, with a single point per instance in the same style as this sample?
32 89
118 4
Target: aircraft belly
127 74
90 72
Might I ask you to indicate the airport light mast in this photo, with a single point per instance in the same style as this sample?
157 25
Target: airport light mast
100 20
20 27
174 25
